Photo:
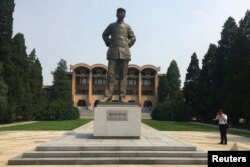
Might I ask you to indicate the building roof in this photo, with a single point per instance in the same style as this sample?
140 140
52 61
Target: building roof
73 67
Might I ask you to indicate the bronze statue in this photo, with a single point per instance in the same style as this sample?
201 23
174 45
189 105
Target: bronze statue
119 37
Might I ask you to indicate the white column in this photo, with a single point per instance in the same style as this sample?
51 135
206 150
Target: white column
139 89
73 86
90 91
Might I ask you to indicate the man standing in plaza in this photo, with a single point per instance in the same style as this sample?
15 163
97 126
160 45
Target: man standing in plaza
223 125
119 37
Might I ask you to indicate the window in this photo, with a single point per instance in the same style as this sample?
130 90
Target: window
81 71
131 72
99 81
132 92
98 92
147 92
81 91
83 81
147 82
147 72
99 72
132 82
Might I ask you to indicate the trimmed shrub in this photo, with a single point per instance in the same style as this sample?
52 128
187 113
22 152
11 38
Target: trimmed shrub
58 110
172 111
162 111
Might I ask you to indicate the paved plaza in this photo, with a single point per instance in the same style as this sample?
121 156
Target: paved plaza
13 143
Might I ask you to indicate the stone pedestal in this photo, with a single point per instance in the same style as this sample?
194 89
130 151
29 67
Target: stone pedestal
117 121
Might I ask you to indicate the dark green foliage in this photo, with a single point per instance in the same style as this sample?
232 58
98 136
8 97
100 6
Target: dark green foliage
228 35
224 79
58 110
6 20
19 72
182 111
36 82
163 89
163 111
20 90
237 72
61 83
60 106
204 110
171 106
172 110
174 82
191 83
3 97
6 24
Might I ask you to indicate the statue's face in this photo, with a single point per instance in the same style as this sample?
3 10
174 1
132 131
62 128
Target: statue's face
120 15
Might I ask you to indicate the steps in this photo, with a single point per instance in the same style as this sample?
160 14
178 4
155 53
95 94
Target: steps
69 155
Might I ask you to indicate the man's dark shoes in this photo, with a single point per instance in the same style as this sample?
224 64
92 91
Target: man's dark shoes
220 143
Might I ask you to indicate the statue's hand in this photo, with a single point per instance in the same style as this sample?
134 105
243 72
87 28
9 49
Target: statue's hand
107 43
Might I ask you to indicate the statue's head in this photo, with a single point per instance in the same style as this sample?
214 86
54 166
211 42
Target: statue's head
120 13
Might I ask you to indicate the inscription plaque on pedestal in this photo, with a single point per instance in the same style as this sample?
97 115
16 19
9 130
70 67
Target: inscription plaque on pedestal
114 121
117 115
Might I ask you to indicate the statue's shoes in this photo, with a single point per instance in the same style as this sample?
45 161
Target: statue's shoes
123 100
106 99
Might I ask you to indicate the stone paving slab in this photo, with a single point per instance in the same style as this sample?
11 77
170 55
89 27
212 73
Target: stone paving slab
87 139
12 143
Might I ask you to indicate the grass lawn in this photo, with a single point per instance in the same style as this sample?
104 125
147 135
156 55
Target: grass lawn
177 126
186 126
49 125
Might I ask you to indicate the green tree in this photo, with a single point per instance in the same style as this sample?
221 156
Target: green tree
60 106
3 98
228 36
171 105
6 23
61 83
36 81
21 92
191 83
6 29
163 89
204 109
237 72
174 82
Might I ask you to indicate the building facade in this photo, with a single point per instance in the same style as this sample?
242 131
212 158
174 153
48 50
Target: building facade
88 84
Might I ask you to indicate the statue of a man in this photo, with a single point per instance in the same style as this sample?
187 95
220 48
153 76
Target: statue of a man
119 37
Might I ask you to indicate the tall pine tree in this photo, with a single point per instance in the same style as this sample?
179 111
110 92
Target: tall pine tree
36 81
21 92
163 89
6 26
60 106
204 86
3 97
237 72
228 36
174 82
191 83
171 106
61 83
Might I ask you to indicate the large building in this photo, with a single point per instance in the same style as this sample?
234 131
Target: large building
88 84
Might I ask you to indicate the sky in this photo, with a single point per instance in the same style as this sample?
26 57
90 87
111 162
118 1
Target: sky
165 30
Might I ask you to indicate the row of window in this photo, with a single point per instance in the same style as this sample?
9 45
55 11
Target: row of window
102 81
99 71
101 92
